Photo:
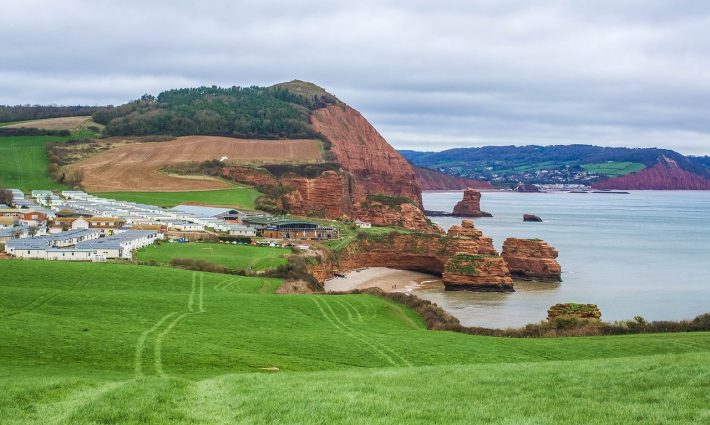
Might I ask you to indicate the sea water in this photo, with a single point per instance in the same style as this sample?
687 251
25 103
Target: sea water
646 254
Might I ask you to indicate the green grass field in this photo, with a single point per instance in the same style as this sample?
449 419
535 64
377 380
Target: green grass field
238 197
614 169
226 255
23 161
108 343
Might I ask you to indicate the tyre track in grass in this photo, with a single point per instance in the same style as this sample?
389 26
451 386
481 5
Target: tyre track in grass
158 346
195 305
384 346
349 331
222 282
140 345
79 285
347 310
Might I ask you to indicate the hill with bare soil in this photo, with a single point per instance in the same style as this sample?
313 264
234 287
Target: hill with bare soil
136 166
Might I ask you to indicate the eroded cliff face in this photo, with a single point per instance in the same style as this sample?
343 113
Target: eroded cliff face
431 253
324 196
531 259
249 175
368 165
470 205
477 272
375 166
666 175
404 215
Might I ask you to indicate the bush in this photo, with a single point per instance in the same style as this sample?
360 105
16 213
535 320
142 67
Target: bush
438 319
22 131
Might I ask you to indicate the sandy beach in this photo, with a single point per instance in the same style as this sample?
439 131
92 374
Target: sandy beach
389 280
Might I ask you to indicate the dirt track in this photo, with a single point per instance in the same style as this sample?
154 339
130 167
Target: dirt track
64 123
134 167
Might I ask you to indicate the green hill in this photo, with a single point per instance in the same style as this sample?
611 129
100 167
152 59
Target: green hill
108 343
580 164
280 111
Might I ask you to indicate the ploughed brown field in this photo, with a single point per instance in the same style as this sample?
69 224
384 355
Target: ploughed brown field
135 167
64 123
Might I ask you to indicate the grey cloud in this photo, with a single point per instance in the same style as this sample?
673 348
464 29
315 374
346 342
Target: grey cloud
429 75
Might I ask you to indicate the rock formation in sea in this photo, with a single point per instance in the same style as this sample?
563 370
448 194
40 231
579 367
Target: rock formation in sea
429 253
470 205
531 259
580 311
531 217
477 272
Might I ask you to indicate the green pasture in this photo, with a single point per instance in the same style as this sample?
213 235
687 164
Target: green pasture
226 255
90 343
238 197
614 169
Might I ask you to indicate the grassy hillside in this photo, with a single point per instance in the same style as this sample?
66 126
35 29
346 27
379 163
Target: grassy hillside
238 197
105 343
23 160
614 169
585 164
226 255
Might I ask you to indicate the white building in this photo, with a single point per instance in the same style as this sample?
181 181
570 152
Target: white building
363 224
81 245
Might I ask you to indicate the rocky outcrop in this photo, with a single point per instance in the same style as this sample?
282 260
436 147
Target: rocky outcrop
323 196
476 272
581 311
249 175
666 175
467 231
470 205
405 215
375 166
429 179
430 253
366 166
531 217
531 259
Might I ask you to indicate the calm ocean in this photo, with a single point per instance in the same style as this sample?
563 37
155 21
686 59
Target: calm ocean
646 253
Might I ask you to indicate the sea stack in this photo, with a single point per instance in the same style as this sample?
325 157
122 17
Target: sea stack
477 272
531 259
470 205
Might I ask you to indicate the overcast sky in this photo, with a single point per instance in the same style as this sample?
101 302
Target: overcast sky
430 75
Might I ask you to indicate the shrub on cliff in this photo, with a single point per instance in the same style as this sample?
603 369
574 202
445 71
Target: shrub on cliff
438 319
394 202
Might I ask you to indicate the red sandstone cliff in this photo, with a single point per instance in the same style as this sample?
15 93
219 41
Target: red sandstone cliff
405 215
666 175
429 179
476 272
470 205
368 166
531 259
432 254
324 196
375 166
